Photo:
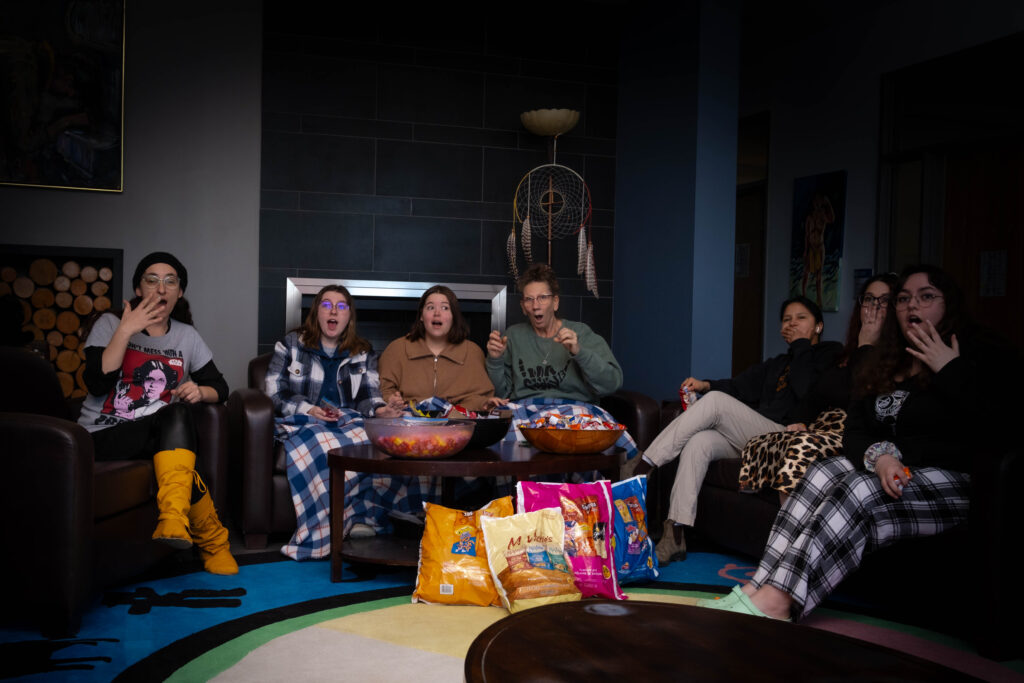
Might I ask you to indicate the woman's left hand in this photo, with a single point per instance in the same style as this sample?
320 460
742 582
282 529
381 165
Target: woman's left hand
569 340
890 473
188 392
931 350
494 402
387 411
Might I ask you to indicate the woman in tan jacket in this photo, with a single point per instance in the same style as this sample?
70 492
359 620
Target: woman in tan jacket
436 358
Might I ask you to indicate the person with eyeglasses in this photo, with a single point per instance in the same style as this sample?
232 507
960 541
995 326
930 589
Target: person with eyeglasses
927 401
548 356
549 364
323 380
143 367
814 429
719 424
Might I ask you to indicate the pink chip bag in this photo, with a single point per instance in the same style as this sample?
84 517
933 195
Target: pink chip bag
587 510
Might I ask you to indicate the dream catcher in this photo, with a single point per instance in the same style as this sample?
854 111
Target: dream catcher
552 202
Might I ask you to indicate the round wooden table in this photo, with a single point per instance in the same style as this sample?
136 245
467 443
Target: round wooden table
504 459
634 640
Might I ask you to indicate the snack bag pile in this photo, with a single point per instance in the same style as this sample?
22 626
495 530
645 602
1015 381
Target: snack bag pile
453 568
633 548
526 561
558 421
588 517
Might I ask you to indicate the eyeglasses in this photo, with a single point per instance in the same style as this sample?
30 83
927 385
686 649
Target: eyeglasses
339 307
924 299
869 301
541 298
153 281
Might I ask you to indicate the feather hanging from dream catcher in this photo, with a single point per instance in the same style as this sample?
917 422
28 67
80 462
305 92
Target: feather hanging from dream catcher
552 202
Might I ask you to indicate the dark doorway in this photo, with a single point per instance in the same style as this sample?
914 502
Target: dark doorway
751 205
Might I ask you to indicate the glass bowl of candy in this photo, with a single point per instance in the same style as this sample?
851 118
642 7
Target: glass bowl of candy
571 434
418 439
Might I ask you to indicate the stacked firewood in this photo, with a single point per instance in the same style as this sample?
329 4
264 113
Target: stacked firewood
57 301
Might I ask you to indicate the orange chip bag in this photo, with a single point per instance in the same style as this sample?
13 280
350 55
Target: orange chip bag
453 558
525 555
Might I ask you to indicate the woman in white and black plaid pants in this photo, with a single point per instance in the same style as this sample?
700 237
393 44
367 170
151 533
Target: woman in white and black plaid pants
908 444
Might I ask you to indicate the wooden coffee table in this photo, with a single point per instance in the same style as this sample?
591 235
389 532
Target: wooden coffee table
505 459
634 640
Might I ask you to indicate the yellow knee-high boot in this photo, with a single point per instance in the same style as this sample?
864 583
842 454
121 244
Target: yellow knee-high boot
210 535
174 470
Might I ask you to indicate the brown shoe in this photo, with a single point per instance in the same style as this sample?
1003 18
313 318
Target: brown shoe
669 548
634 466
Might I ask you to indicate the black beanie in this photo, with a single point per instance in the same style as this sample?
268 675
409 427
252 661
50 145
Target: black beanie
159 257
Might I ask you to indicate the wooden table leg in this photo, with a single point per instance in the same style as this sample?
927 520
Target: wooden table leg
337 498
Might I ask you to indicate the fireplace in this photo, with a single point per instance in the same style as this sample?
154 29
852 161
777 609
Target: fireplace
385 309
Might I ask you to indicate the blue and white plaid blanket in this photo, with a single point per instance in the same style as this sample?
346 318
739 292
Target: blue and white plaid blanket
368 498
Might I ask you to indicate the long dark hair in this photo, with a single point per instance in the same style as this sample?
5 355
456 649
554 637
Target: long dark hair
460 328
309 331
853 328
878 373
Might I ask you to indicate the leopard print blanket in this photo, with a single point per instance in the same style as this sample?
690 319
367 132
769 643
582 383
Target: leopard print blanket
779 459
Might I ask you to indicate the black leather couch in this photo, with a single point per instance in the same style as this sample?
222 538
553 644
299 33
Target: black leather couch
959 581
261 498
72 526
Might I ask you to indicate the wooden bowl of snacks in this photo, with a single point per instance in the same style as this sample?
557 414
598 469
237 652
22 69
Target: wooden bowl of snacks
571 441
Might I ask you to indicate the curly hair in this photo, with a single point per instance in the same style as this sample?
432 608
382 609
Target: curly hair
309 331
878 373
460 328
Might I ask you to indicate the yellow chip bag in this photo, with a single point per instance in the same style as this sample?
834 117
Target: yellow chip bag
453 560
525 556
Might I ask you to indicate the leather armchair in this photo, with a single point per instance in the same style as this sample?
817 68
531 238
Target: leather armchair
262 498
73 525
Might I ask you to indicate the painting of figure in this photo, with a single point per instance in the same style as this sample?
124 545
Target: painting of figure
819 208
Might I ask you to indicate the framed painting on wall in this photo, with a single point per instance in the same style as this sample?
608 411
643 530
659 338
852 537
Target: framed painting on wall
819 210
62 92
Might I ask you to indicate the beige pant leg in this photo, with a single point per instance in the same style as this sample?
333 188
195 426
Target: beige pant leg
704 433
717 411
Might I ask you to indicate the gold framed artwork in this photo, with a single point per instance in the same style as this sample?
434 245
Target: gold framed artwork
62 90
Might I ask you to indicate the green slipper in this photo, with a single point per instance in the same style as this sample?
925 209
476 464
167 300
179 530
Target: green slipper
744 605
721 603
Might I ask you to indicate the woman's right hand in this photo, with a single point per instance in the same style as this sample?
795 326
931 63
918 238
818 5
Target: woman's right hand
871 319
496 344
135 320
693 384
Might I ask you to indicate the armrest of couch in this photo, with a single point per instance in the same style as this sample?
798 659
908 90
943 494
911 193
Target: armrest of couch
211 421
251 420
639 412
47 508
995 520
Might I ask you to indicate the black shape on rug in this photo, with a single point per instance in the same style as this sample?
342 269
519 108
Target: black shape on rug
142 600
165 661
28 657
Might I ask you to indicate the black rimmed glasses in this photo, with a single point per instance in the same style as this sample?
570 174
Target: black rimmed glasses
540 298
869 301
329 307
152 281
924 299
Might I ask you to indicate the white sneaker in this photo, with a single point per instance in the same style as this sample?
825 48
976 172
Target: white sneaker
361 531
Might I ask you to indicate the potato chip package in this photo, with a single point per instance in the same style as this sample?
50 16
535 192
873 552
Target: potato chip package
453 559
587 511
526 560
632 547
